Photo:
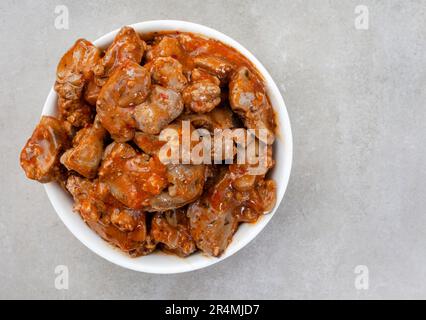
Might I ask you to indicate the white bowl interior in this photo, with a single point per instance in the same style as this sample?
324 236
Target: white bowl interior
160 262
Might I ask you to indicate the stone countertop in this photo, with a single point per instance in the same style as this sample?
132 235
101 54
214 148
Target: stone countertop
357 195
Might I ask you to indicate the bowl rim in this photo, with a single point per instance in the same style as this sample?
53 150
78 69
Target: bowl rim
107 251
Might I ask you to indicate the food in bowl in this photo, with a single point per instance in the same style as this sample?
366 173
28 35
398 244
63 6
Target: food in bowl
105 145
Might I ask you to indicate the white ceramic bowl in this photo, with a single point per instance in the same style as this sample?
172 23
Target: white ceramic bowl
159 262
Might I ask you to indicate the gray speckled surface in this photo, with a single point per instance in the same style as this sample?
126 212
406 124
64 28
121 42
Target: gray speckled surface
357 194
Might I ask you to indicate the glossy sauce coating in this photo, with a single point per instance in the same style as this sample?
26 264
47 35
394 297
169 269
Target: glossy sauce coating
40 156
133 178
105 146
